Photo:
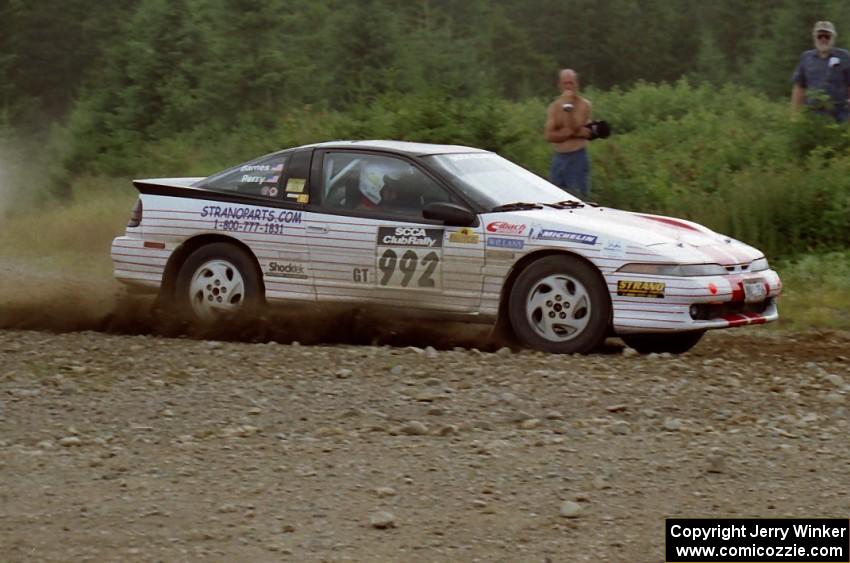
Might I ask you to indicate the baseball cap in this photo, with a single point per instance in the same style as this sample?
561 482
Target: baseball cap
824 26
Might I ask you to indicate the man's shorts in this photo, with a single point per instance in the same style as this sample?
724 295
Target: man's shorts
571 172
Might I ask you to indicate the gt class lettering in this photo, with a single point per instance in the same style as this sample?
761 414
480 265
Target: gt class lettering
360 275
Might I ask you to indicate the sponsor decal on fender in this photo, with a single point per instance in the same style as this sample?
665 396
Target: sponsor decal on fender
410 236
500 254
628 288
464 236
499 242
562 236
288 270
505 228
614 248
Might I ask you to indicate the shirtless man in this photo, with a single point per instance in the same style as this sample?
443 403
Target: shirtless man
565 130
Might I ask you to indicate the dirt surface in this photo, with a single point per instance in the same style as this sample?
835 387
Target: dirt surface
142 448
117 443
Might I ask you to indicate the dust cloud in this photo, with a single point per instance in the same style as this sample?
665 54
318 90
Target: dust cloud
23 176
36 294
8 173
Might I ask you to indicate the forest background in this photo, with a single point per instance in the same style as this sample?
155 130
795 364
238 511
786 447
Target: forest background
94 93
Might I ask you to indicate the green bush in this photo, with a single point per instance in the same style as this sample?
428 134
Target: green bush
728 158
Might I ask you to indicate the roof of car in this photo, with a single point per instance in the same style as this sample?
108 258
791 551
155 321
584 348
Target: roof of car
417 149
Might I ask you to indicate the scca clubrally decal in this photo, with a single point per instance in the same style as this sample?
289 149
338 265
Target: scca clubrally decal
628 288
410 236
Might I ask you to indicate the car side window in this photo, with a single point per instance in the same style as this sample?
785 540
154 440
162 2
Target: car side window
259 177
379 185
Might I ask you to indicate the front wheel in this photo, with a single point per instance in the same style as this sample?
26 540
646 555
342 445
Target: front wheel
560 304
673 343
217 284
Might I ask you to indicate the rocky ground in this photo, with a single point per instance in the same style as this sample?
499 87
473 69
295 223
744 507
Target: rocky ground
134 447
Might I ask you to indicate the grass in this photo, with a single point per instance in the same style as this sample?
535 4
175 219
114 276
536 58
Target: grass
816 291
74 236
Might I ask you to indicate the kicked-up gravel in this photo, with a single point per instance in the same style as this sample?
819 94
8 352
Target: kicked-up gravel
139 448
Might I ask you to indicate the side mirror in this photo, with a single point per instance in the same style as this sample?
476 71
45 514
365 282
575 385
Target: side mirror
451 214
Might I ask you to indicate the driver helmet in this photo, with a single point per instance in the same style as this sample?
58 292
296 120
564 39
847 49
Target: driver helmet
374 175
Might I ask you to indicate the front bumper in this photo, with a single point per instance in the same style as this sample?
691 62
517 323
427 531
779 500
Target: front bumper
694 303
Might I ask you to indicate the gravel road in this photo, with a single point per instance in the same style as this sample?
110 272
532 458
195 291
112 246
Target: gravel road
142 448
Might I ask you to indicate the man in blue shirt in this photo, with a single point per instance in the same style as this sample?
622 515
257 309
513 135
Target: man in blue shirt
822 77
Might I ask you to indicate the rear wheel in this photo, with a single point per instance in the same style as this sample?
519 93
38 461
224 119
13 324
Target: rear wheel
560 304
673 343
218 284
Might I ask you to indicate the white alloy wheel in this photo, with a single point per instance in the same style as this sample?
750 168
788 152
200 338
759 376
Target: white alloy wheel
558 307
560 304
216 290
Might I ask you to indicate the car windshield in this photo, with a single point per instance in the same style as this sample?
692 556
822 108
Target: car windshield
492 181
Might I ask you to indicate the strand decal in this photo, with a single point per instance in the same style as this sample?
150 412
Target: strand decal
562 236
410 236
288 270
505 228
499 242
628 288
464 236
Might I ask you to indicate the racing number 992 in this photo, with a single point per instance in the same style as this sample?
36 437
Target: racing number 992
408 265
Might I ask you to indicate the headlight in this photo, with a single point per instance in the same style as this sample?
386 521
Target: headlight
686 270
759 265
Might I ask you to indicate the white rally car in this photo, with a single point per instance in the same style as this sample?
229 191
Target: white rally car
450 230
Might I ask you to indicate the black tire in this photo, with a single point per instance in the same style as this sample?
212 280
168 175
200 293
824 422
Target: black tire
674 343
579 302
232 295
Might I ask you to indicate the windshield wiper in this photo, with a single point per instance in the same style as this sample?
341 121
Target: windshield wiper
567 204
517 206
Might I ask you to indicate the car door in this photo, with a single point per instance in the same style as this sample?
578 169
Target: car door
375 246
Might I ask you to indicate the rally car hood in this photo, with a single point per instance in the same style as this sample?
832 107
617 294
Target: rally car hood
675 239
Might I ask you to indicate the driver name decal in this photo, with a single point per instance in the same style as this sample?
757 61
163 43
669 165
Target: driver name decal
410 236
